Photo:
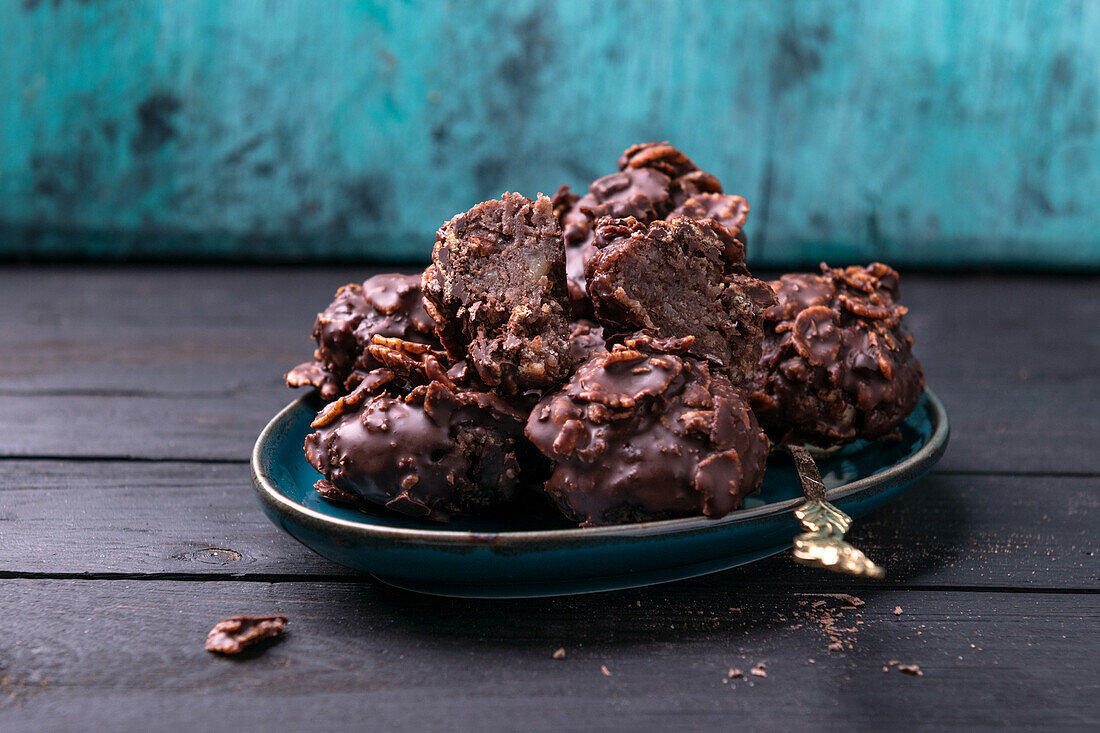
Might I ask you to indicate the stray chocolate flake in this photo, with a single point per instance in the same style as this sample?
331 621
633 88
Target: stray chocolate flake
559 653
232 635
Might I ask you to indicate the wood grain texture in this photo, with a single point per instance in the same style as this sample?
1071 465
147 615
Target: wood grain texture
119 518
112 571
170 364
115 655
928 131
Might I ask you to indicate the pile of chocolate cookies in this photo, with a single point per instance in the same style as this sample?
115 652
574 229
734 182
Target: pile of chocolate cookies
609 354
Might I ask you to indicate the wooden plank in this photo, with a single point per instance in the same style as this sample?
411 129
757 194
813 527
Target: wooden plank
113 655
917 130
210 345
72 518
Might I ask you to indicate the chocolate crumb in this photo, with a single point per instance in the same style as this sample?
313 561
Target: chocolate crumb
735 674
910 669
836 646
893 662
604 670
559 653
232 635
885 668
758 670
897 610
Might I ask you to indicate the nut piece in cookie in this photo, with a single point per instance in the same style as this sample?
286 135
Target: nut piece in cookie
680 278
646 432
496 289
386 305
837 362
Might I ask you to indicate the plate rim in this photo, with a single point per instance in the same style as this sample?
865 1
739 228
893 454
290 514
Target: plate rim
272 498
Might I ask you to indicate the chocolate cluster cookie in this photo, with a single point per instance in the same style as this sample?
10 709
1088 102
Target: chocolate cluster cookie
385 305
837 362
609 353
496 289
653 180
418 438
680 278
644 432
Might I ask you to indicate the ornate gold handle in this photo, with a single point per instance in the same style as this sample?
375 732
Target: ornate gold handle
823 544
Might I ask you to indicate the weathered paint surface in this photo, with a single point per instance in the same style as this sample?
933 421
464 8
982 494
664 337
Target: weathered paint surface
915 131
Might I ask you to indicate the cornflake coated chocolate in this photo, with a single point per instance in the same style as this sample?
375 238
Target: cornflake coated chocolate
585 339
645 432
730 211
386 305
686 179
639 193
680 278
496 289
653 179
837 362
418 438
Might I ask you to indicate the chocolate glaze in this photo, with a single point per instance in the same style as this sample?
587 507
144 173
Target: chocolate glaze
686 178
413 440
646 432
730 211
653 179
496 290
837 361
680 278
387 305
585 339
639 193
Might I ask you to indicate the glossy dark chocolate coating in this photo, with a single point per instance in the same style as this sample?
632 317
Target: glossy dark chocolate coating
646 432
837 361
431 453
385 305
653 179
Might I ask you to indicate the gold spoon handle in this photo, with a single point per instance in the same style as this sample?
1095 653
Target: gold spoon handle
823 544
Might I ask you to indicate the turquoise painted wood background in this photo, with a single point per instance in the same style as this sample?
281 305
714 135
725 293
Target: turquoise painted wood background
915 131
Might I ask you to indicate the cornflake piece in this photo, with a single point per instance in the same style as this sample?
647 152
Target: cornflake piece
232 635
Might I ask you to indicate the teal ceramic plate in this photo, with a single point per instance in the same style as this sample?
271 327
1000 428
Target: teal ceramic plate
545 557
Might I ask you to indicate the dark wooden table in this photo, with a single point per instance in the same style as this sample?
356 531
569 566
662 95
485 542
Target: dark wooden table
129 401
